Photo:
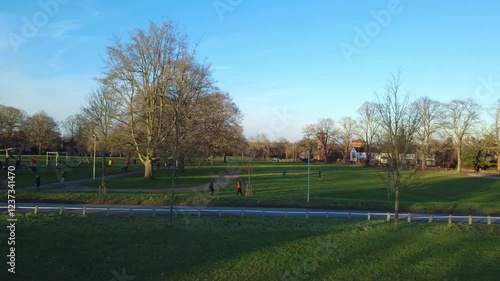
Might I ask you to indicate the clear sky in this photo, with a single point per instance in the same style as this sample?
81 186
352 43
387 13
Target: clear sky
285 63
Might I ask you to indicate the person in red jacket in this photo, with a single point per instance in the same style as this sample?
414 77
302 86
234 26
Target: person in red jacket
238 184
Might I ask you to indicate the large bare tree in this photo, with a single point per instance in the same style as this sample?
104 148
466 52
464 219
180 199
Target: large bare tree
399 126
462 117
158 82
369 124
348 128
431 114
219 130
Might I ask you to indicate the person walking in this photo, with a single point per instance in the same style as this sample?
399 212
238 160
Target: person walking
211 186
37 182
63 175
238 184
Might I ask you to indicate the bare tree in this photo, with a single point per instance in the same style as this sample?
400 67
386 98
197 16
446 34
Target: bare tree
369 124
76 131
398 130
101 112
431 114
324 132
158 83
348 129
219 130
462 116
41 130
495 130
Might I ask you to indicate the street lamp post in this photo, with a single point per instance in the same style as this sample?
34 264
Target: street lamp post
308 172
93 170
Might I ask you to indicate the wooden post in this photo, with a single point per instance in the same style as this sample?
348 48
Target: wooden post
470 219
409 217
388 216
107 211
369 216
84 212
489 220
154 212
430 219
450 219
61 210
36 210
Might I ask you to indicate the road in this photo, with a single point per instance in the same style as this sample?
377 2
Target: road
135 210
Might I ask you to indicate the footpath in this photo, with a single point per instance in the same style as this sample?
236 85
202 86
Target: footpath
80 185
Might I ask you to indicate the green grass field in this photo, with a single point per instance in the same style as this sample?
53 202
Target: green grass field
96 248
341 186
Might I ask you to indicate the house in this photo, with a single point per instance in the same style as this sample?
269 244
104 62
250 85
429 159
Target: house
357 155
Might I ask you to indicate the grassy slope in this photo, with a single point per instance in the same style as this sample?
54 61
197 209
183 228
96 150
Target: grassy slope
90 248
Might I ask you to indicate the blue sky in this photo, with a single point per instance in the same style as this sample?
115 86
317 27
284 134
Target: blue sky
285 63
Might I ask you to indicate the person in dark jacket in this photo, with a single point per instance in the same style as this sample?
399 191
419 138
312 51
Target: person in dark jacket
37 182
211 186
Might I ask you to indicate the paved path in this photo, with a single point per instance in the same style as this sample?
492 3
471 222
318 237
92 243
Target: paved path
241 212
79 185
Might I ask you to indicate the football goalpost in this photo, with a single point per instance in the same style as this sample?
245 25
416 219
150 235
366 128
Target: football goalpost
56 155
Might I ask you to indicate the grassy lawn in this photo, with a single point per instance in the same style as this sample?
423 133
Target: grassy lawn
97 248
341 187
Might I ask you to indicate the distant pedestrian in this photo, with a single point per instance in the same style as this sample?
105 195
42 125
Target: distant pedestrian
211 186
37 182
284 172
63 175
238 184
158 165
127 163
135 162
319 176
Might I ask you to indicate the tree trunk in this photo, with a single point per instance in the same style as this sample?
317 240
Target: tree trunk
396 208
148 168
498 163
422 158
368 156
459 160
172 198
